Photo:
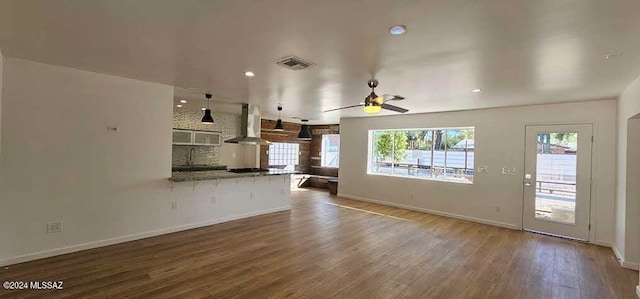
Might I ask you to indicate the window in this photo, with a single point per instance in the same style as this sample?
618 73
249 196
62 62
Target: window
437 154
330 154
284 155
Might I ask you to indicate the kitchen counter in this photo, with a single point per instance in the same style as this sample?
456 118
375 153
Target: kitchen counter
184 176
183 168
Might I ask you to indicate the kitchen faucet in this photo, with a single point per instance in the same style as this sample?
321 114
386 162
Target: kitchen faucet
190 156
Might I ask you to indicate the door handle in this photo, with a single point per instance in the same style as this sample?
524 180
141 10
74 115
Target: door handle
527 184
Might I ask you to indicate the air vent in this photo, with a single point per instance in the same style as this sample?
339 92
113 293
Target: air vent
294 63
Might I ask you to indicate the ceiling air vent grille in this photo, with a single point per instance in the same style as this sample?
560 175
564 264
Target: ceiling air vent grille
294 63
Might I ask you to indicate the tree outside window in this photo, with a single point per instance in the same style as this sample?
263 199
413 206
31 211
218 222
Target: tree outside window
441 154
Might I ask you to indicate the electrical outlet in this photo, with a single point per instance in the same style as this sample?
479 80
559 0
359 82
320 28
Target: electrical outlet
174 205
54 227
213 200
497 208
251 195
281 191
410 195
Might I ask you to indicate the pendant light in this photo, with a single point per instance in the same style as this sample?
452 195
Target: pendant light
279 126
207 118
305 133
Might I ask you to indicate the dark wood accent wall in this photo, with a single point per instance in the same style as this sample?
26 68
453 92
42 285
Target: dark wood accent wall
309 151
289 135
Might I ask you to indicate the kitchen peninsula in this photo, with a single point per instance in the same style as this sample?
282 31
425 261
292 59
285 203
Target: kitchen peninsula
220 195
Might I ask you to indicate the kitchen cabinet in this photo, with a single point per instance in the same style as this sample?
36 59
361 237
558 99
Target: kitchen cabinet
189 137
206 138
182 137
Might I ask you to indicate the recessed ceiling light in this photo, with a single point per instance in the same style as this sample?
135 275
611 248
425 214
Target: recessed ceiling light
183 101
249 74
398 29
476 90
179 106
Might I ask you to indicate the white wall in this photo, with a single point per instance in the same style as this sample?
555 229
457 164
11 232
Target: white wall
632 191
627 241
1 59
499 140
59 162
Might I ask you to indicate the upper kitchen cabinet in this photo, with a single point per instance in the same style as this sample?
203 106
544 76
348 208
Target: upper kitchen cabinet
188 137
206 138
184 137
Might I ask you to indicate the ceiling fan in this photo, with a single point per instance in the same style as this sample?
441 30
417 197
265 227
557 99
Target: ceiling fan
374 104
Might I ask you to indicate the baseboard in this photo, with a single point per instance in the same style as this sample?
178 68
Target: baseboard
602 243
434 212
132 237
623 263
616 252
628 265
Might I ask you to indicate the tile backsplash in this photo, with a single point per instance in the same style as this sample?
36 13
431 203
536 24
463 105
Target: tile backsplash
227 124
204 155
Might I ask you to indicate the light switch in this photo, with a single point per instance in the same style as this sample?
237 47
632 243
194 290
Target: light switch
508 171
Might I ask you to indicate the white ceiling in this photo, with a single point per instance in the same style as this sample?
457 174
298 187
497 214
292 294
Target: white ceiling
518 52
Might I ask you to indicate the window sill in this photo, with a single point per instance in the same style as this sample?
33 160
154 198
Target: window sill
420 178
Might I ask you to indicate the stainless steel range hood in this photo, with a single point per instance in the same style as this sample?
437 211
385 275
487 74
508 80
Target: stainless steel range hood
249 127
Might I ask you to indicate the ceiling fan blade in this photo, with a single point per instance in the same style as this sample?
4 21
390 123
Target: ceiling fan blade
394 108
389 97
346 107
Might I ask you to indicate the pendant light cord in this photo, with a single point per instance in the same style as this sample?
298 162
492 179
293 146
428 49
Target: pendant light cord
208 96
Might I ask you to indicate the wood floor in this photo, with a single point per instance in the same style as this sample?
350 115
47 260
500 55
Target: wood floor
327 247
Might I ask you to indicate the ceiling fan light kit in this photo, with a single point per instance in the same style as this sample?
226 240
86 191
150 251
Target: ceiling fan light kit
374 104
372 109
207 118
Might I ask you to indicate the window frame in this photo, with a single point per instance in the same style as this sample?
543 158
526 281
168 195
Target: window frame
370 154
322 151
283 156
